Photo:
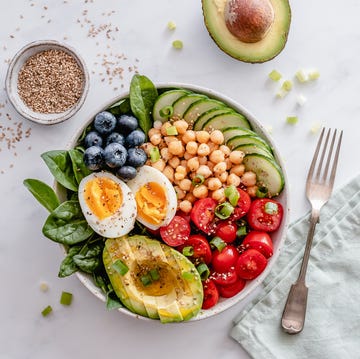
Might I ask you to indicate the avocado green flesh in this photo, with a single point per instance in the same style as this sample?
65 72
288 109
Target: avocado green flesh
264 50
170 298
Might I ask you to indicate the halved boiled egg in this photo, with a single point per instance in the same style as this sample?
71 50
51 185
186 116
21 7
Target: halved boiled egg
108 204
155 197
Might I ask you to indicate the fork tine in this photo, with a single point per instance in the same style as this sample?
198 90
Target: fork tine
333 170
317 177
312 166
329 157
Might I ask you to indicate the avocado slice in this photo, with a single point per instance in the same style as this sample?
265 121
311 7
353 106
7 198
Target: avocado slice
248 30
160 283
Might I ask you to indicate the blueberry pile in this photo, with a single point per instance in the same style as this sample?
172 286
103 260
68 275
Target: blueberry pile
114 143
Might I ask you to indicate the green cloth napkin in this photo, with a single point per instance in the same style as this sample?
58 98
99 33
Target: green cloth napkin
332 324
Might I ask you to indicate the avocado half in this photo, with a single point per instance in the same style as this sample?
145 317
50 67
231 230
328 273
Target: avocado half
254 50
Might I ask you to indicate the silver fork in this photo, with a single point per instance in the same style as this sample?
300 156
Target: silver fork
319 185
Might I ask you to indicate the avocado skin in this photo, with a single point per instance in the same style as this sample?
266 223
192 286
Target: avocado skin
257 52
183 299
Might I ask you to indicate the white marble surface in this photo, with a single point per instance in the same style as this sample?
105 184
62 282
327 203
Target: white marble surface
324 35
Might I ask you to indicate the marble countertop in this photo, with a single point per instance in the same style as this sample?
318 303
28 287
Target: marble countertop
117 38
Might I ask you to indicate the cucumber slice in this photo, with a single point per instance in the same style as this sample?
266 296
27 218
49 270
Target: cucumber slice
164 100
199 107
230 132
183 103
233 119
248 139
253 148
268 172
201 120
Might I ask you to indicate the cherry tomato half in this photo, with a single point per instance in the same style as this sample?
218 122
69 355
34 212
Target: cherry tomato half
224 260
242 206
259 240
265 214
225 278
211 294
203 213
200 247
176 232
226 230
229 291
250 264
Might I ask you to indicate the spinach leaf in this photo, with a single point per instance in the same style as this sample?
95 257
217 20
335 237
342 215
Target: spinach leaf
68 266
113 302
43 193
67 225
89 260
59 164
120 107
79 168
143 94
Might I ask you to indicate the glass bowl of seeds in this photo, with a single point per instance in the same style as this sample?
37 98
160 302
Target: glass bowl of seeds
47 82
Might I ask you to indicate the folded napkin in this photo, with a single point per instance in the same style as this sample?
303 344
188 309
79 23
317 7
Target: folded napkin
332 324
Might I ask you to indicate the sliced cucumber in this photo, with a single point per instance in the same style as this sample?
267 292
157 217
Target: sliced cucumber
230 132
248 140
199 107
164 100
253 148
233 119
199 123
268 172
183 103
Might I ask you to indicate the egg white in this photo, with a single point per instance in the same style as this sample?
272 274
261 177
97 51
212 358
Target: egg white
148 174
121 221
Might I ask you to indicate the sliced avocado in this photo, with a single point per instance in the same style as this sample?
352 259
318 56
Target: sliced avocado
169 296
248 30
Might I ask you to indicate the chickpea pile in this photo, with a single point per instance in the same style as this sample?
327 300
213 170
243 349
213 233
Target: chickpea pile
189 157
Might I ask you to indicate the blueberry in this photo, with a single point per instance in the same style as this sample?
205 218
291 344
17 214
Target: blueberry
104 122
135 138
93 138
115 155
136 157
126 172
127 123
115 137
94 158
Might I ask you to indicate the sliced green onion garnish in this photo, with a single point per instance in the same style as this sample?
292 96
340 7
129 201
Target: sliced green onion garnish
261 192
154 154
166 111
242 231
146 280
287 85
203 270
154 274
271 208
187 275
46 311
292 120
120 267
224 210
171 25
66 298
171 131
188 251
218 243
232 194
177 44
314 75
301 76
198 180
275 75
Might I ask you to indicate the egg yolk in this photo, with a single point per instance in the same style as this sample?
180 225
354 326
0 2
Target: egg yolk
151 203
103 196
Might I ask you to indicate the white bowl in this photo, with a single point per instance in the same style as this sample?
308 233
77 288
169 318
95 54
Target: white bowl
12 80
278 236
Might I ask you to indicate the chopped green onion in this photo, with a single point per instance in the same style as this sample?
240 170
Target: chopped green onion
46 311
166 111
120 267
198 180
154 154
146 280
203 270
275 75
281 93
271 208
300 100
171 131
66 298
154 274
242 231
187 275
287 85
171 25
314 75
232 194
301 76
177 44
188 251
292 120
224 210
44 287
315 128
261 192
218 243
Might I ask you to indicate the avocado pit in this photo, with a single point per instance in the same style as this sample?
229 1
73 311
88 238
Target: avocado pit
249 20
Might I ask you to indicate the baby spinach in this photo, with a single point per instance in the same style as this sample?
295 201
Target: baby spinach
43 193
120 107
143 94
89 258
68 266
67 224
60 166
78 166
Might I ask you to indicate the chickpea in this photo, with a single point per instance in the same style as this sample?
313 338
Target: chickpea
190 197
180 194
222 176
193 164
233 179
226 150
181 126
153 131
164 126
174 162
168 171
183 163
203 149
217 137
169 139
165 154
176 148
185 206
192 147
187 156
204 171
214 183
147 146
155 139
210 165
219 195
203 160
159 165
238 170
188 136
181 169
220 167
157 124
217 156
236 157
200 191
252 190
185 184
248 179
212 146
228 164
202 136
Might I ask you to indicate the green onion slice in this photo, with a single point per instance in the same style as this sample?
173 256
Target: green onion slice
46 311
171 131
275 75
187 275
224 210
261 192
120 267
154 274
203 270
146 280
198 180
177 44
242 231
271 208
66 298
166 111
154 154
232 194
218 243
188 251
